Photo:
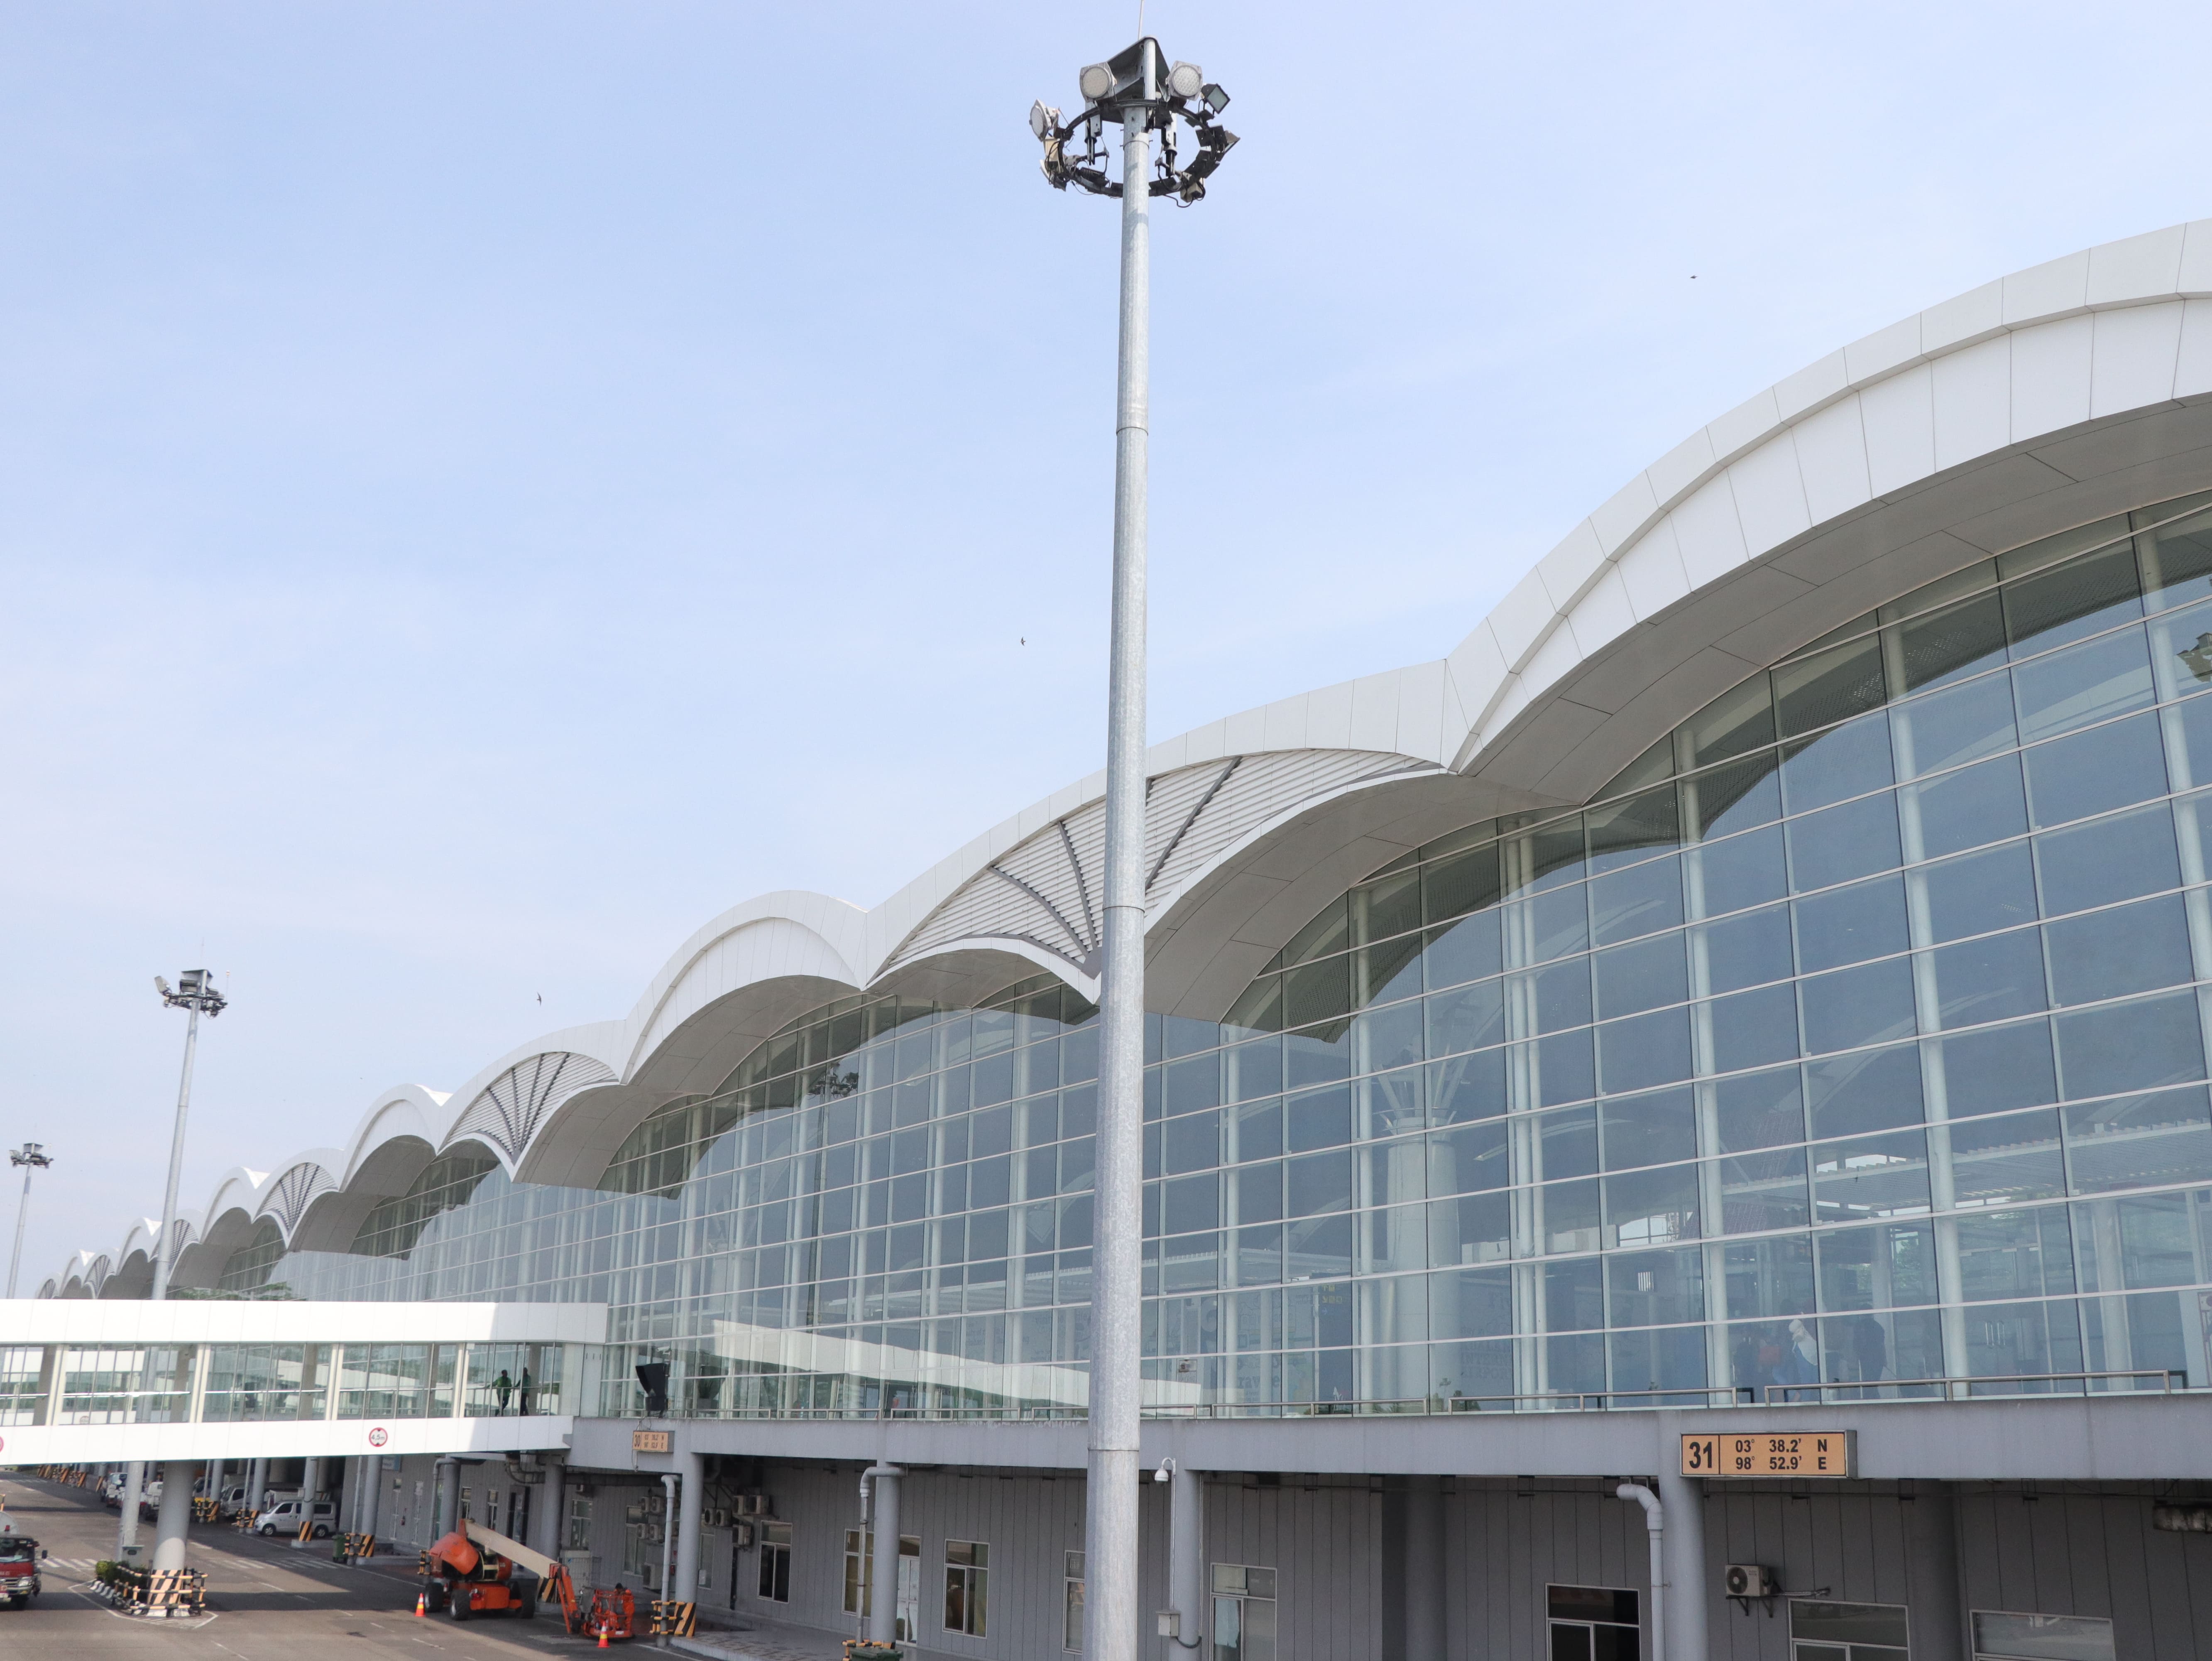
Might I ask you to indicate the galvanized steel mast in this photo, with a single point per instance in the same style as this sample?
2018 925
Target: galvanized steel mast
1117 1261
1137 90
195 992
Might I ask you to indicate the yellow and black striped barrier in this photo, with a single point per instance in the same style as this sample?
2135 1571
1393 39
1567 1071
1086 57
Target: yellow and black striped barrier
671 1620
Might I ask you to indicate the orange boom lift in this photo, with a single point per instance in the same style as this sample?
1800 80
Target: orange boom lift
479 1571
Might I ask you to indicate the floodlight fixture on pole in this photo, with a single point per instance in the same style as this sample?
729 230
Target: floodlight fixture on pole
195 992
1134 80
32 1156
1137 90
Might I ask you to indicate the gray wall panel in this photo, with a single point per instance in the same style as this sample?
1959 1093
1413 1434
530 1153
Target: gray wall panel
2086 1551
1028 1522
2090 1553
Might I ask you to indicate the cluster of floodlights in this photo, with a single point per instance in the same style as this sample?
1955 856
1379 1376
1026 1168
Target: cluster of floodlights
1123 83
195 991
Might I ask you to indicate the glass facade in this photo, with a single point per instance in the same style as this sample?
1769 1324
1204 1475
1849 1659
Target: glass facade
247 1269
1853 1041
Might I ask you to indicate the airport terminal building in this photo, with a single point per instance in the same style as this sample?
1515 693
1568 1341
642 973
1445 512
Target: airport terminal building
1752 995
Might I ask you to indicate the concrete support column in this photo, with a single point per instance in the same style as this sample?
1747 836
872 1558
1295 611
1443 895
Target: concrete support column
257 1483
549 1521
1689 1582
1186 1556
1934 1608
172 1527
449 1496
692 1468
883 1608
214 1475
1424 1566
372 1495
668 1541
126 1524
311 1479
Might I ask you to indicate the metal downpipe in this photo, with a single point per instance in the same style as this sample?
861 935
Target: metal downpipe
1655 1524
883 1597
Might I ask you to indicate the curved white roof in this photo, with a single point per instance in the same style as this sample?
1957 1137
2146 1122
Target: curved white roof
2051 398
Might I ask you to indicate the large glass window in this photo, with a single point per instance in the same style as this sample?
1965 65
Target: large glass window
265 1381
22 1385
136 1385
246 1271
385 1381
1814 1055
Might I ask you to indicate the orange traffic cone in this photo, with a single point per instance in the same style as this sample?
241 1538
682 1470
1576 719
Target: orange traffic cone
603 1638
422 1604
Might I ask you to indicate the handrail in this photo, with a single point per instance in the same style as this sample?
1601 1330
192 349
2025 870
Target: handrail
1870 1392
2170 1381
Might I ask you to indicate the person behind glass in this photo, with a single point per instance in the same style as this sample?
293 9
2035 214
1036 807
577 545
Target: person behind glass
1799 1363
1869 1348
522 1390
502 1387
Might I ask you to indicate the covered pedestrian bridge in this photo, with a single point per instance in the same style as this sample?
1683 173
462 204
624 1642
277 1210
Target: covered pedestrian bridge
94 1381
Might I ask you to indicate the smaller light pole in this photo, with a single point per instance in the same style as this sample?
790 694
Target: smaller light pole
195 992
32 1157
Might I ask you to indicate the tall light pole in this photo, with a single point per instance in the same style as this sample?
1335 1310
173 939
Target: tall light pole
196 993
1135 89
32 1157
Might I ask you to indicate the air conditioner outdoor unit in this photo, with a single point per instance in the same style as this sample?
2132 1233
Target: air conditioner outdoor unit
1749 1580
741 1535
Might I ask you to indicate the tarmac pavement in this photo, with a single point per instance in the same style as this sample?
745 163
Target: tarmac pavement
267 1601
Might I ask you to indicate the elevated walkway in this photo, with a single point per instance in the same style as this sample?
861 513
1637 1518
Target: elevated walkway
92 1382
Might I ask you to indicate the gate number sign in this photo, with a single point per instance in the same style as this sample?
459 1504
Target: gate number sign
1771 1453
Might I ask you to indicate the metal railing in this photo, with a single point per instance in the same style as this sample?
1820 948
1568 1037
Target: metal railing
1875 1392
2170 1381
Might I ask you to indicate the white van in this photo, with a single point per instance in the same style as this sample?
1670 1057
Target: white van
287 1515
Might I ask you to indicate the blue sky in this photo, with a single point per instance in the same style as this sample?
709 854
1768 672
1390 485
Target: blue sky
485 486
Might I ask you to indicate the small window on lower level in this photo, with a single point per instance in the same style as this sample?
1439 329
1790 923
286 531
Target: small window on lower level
1071 1629
967 1586
1243 1613
1593 1623
1821 1631
775 1562
2042 1638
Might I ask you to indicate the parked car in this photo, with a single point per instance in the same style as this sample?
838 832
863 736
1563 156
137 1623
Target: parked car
286 1515
149 1499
